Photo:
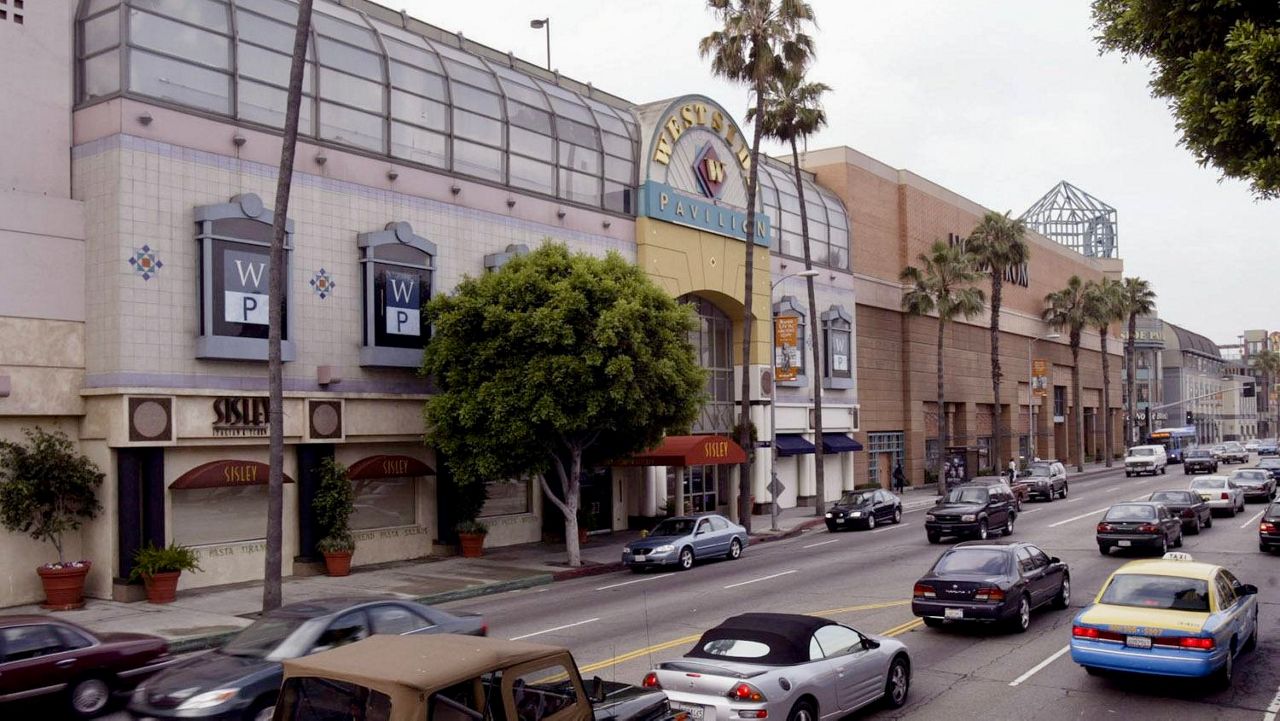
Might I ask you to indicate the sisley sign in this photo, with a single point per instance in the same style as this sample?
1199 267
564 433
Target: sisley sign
240 416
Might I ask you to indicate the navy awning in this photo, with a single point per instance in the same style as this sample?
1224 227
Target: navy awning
839 443
790 444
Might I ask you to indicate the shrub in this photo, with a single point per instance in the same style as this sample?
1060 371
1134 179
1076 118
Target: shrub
333 503
151 559
472 526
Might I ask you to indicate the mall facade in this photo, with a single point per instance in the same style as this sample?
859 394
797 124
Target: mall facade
135 215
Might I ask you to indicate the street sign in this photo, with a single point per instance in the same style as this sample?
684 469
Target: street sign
776 488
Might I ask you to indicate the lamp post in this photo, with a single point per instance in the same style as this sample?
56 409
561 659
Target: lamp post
538 25
773 401
1031 409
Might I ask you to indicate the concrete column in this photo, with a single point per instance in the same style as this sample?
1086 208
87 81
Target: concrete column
649 499
678 509
735 474
804 479
846 472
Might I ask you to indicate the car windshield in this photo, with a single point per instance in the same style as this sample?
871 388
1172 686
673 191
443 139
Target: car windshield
968 495
1272 511
1171 496
1207 483
1142 452
1040 471
1130 513
673 527
1197 454
1250 476
855 499
1166 592
988 561
261 638
1269 463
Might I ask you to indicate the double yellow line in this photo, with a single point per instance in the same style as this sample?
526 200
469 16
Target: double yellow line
903 628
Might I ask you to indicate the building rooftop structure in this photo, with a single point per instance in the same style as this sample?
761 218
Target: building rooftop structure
1073 218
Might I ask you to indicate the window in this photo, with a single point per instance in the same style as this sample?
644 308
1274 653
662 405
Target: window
1026 563
1157 592
735 648
396 620
712 341
837 640
893 443
539 692
24 642
397 277
348 628
508 498
1060 401
312 697
73 639
1226 592
385 503
205 516
837 345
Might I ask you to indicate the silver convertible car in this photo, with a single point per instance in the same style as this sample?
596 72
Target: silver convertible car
783 666
682 540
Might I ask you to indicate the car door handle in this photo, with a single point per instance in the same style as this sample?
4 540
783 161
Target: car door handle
65 663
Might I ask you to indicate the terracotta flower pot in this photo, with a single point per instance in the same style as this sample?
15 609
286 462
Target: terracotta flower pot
337 563
63 587
472 544
161 587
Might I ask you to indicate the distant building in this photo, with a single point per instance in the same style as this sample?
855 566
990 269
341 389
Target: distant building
1194 382
1148 349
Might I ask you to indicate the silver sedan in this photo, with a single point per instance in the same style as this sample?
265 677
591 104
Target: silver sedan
1220 493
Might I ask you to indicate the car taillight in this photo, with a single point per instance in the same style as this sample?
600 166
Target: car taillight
1267 527
1188 513
484 629
924 590
745 692
988 594
1148 528
1105 528
651 680
1200 643
1226 496
1084 632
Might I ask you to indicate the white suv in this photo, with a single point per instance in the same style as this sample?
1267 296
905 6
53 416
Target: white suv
1145 459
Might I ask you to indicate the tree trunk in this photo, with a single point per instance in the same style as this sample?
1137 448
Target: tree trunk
1108 446
942 413
997 431
748 288
271 587
568 500
819 471
1131 391
1079 401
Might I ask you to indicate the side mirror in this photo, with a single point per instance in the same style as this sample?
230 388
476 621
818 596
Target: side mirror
597 690
1054 559
700 532
869 644
1247 589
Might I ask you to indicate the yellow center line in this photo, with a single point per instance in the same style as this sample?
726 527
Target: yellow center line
899 630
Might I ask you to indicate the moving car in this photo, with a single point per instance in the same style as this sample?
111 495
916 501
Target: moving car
1169 617
1220 493
1268 448
1271 465
784 666
1218 452
1188 507
682 540
1046 479
991 583
1269 528
45 657
1199 460
1020 490
401 678
972 510
1139 525
1257 483
1251 445
240 679
1233 452
865 509
1145 459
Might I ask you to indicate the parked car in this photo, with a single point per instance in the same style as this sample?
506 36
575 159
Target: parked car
1199 460
1145 459
1257 483
1220 493
1233 452
1139 525
241 679
991 583
865 509
972 511
1020 490
1271 465
1168 617
1188 507
44 657
1269 528
1251 445
784 666
683 540
1268 448
1046 479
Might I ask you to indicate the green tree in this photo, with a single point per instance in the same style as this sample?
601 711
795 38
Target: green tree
1216 64
942 286
1268 363
556 362
793 111
756 42
46 488
1104 304
1066 310
997 244
1137 299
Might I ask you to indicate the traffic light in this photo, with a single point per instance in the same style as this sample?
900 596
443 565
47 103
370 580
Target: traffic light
1247 392
1190 418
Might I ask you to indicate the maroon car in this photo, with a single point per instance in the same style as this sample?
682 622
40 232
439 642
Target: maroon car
46 657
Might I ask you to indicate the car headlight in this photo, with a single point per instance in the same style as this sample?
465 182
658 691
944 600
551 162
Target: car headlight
664 549
968 517
208 699
856 514
626 549
930 517
830 515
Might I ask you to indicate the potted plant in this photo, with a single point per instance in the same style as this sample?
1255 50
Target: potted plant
159 568
46 490
333 504
469 498
586 520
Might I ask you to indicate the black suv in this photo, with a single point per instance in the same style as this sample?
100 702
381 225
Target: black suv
1199 460
974 511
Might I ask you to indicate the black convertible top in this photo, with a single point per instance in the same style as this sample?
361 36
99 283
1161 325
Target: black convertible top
786 634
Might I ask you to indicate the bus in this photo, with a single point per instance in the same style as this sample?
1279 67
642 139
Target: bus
1174 440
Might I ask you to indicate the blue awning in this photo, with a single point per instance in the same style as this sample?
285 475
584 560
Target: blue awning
839 443
790 444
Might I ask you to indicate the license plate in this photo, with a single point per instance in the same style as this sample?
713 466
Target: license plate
1137 642
839 520
1124 543
953 614
694 711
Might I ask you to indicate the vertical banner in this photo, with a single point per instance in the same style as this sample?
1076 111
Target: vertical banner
1040 378
786 347
404 303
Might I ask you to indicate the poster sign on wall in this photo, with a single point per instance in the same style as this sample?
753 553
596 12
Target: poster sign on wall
1040 377
403 304
786 348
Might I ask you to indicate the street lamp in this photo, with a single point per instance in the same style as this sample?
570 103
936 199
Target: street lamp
538 25
773 402
1031 409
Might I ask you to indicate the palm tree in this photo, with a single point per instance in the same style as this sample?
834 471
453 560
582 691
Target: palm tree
942 285
1137 299
756 41
1267 362
997 244
1104 306
1066 310
793 109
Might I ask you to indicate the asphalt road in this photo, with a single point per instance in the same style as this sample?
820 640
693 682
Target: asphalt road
618 625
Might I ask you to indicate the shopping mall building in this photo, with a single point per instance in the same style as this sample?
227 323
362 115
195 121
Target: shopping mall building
135 215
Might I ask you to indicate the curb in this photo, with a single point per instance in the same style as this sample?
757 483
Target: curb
792 533
200 643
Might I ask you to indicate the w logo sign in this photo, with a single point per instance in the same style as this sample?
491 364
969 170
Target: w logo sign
244 282
709 170
404 304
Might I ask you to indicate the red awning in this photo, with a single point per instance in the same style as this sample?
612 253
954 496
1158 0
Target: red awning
388 467
689 451
225 474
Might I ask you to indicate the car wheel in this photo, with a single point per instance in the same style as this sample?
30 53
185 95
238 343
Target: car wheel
1050 496
89 696
1162 470
261 710
1252 642
1164 545
897 515
1195 526
1208 521
1231 512
735 549
898 683
686 558
871 521
982 530
831 528
934 538
1177 542
1065 488
1263 547
802 711
1063 599
1008 525
932 622
1093 670
1222 677
1127 474
1022 621
1104 549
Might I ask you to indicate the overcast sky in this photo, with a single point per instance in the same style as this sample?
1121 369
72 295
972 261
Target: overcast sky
997 100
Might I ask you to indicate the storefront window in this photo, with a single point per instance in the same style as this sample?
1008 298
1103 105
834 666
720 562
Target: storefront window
397 268
712 341
385 503
508 498
206 516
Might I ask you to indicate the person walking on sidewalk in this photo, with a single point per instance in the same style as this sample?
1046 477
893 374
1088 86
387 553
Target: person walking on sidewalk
1013 470
899 478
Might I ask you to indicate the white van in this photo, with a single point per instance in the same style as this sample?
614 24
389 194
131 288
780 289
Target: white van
1145 459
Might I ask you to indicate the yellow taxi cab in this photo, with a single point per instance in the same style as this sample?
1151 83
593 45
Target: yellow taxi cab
1171 616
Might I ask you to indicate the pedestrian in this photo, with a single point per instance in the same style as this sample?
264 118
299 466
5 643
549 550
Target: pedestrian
1013 469
899 478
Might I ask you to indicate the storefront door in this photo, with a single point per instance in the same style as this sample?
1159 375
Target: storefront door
597 500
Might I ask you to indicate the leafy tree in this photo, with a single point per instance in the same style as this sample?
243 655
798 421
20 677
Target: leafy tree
1104 304
998 243
1137 299
556 362
46 488
1066 310
942 286
1216 64
756 42
793 110
1268 363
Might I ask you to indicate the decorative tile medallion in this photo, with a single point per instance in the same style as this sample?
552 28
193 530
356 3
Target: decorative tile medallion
145 262
322 283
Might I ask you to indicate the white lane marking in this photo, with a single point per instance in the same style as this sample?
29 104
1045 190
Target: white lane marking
1273 709
890 528
755 580
822 543
557 628
1040 666
1076 518
1073 500
1251 521
628 583
1033 510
